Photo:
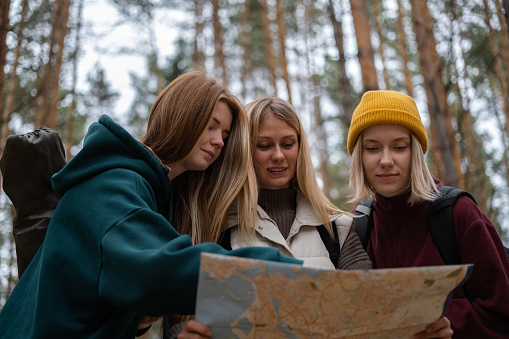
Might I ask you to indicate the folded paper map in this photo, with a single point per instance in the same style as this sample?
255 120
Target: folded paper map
248 298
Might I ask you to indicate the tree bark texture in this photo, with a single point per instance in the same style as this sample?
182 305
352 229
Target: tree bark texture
502 126
498 63
475 175
442 132
244 43
282 42
504 40
269 52
46 112
198 57
5 6
13 80
378 26
346 87
69 123
409 86
365 54
219 58
319 128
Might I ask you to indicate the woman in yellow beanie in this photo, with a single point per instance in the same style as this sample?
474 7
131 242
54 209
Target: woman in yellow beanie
387 142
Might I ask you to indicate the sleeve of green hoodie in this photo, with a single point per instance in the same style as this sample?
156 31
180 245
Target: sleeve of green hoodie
147 266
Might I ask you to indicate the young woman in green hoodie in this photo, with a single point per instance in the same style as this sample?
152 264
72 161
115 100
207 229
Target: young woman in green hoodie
111 252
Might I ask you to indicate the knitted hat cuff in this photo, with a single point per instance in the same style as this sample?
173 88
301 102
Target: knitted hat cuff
386 107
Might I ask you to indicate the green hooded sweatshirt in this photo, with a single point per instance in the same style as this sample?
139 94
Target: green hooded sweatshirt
110 251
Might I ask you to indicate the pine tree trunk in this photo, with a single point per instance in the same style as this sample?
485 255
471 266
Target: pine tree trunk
409 86
198 57
475 175
346 87
442 132
282 42
60 28
69 121
244 42
219 58
504 39
365 54
498 63
46 110
502 126
319 128
13 81
269 53
4 29
378 26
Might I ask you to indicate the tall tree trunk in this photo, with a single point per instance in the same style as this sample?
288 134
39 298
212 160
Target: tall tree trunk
13 80
219 59
244 42
503 128
282 42
365 50
269 53
378 26
498 63
409 86
75 57
442 132
198 57
5 6
46 111
504 38
476 171
346 87
60 28
319 128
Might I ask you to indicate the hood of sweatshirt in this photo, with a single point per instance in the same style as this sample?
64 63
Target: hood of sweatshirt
108 146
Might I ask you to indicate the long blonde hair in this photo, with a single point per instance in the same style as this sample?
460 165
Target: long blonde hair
202 199
304 180
422 185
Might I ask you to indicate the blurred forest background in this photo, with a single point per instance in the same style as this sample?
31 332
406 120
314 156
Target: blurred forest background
452 56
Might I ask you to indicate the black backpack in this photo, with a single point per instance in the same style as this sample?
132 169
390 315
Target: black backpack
439 214
27 164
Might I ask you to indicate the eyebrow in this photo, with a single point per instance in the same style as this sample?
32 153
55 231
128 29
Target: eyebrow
285 137
397 139
227 131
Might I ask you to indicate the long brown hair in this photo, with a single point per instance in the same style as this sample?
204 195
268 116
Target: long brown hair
178 118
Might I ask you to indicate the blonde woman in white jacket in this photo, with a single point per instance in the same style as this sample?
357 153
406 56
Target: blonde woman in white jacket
291 206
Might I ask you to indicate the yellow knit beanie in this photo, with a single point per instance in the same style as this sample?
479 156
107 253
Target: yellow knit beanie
386 107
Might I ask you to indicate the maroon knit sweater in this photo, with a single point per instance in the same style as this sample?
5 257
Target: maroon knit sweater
400 238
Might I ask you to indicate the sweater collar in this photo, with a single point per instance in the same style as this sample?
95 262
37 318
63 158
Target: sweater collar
277 201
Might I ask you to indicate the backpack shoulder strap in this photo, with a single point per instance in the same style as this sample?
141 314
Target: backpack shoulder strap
331 244
364 222
441 223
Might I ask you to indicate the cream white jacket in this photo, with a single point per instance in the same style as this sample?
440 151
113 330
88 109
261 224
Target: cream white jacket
304 241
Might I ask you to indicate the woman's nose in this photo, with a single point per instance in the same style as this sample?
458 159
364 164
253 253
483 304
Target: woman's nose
277 154
217 140
386 159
